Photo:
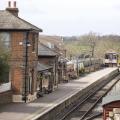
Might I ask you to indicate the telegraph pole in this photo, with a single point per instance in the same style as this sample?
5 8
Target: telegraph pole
93 48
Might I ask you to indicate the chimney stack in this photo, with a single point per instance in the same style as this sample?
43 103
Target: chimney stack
14 10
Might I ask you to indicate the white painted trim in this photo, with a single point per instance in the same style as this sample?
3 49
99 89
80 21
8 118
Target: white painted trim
18 98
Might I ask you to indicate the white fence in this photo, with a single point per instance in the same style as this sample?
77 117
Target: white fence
5 87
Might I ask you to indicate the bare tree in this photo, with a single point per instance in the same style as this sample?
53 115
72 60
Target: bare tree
93 44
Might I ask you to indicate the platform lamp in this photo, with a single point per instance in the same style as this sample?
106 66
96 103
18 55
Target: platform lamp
26 44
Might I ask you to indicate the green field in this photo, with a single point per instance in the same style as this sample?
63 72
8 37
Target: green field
85 46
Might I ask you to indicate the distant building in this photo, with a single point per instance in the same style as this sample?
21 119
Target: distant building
49 58
56 43
22 38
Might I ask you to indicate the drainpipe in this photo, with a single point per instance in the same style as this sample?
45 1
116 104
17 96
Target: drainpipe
26 66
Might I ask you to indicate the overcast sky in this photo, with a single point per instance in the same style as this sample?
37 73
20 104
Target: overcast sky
71 17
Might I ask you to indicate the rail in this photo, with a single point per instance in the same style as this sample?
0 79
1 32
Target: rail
96 102
116 79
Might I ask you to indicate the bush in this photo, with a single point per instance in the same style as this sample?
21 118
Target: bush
4 68
4 56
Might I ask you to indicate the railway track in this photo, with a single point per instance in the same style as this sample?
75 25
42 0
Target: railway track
86 109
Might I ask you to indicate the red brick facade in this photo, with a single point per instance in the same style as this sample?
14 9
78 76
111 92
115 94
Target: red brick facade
24 53
18 62
6 97
109 108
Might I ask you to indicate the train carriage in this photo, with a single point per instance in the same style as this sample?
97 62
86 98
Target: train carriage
111 59
76 67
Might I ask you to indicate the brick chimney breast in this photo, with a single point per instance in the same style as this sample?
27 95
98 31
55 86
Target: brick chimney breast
14 10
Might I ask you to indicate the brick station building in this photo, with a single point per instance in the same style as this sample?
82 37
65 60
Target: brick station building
22 40
49 57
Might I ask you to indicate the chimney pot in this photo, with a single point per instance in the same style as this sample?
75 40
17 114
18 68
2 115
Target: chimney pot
14 4
13 9
9 4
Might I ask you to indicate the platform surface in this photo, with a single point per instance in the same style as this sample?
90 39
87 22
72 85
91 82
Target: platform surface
29 111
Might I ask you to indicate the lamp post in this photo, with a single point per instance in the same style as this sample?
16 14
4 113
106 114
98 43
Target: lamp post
26 44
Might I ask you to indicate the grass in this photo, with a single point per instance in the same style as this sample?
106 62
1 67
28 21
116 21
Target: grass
101 47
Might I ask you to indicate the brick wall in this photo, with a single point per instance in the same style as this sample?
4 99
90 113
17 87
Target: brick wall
109 108
18 60
17 79
6 97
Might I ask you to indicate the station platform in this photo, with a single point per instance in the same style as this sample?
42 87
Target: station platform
33 110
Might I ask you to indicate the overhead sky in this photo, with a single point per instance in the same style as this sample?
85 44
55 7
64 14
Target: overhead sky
71 17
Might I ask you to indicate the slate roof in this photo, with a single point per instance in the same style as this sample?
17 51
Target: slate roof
45 51
42 67
8 21
109 99
56 40
113 95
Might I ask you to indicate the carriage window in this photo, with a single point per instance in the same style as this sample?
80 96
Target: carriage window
110 56
106 57
114 57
